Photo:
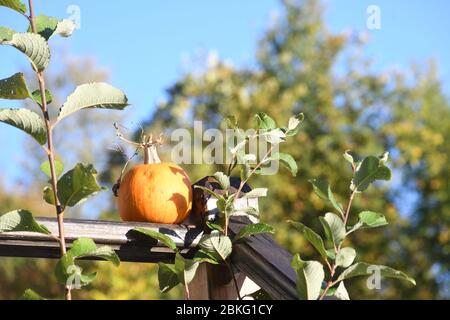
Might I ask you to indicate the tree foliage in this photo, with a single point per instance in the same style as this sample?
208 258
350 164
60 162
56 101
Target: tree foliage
356 108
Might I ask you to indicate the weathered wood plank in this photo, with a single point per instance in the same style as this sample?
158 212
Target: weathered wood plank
265 262
129 245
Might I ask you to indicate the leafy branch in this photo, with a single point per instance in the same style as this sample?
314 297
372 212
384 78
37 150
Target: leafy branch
78 183
311 274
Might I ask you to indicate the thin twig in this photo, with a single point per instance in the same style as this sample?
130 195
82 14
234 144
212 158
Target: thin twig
50 154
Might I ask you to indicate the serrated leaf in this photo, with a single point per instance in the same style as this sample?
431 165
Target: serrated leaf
203 256
21 220
216 244
185 268
77 184
93 95
253 229
222 179
287 160
45 168
369 219
312 237
27 121
48 195
30 294
45 26
37 97
14 88
341 292
167 277
345 257
365 269
248 211
34 46
256 193
336 226
16 5
310 275
265 122
370 170
164 239
294 124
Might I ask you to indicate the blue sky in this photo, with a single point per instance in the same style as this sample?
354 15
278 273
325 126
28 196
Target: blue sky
143 42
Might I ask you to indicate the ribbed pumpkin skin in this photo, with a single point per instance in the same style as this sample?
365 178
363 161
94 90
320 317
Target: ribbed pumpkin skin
158 193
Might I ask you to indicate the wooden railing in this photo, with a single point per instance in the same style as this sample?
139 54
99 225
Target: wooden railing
258 257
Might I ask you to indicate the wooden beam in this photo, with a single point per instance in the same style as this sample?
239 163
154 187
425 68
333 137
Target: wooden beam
265 262
129 245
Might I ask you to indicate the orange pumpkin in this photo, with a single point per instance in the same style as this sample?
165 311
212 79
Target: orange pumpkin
154 191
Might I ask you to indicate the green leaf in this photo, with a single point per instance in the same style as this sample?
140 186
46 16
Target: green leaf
34 46
45 26
27 121
167 277
203 256
370 170
312 237
207 190
253 229
37 97
365 269
16 5
310 275
214 226
336 226
323 189
185 268
6 34
14 88
349 157
255 193
320 187
294 124
265 122
345 257
222 179
21 220
66 269
164 239
326 229
49 196
216 244
287 160
369 219
77 184
248 211
45 168
30 294
341 292
93 95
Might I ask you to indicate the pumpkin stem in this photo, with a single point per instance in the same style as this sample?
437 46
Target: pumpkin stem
150 154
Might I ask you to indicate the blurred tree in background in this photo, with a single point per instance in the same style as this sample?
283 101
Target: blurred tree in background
301 67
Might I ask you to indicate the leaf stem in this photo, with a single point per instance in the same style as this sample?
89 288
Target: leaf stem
51 158
236 286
